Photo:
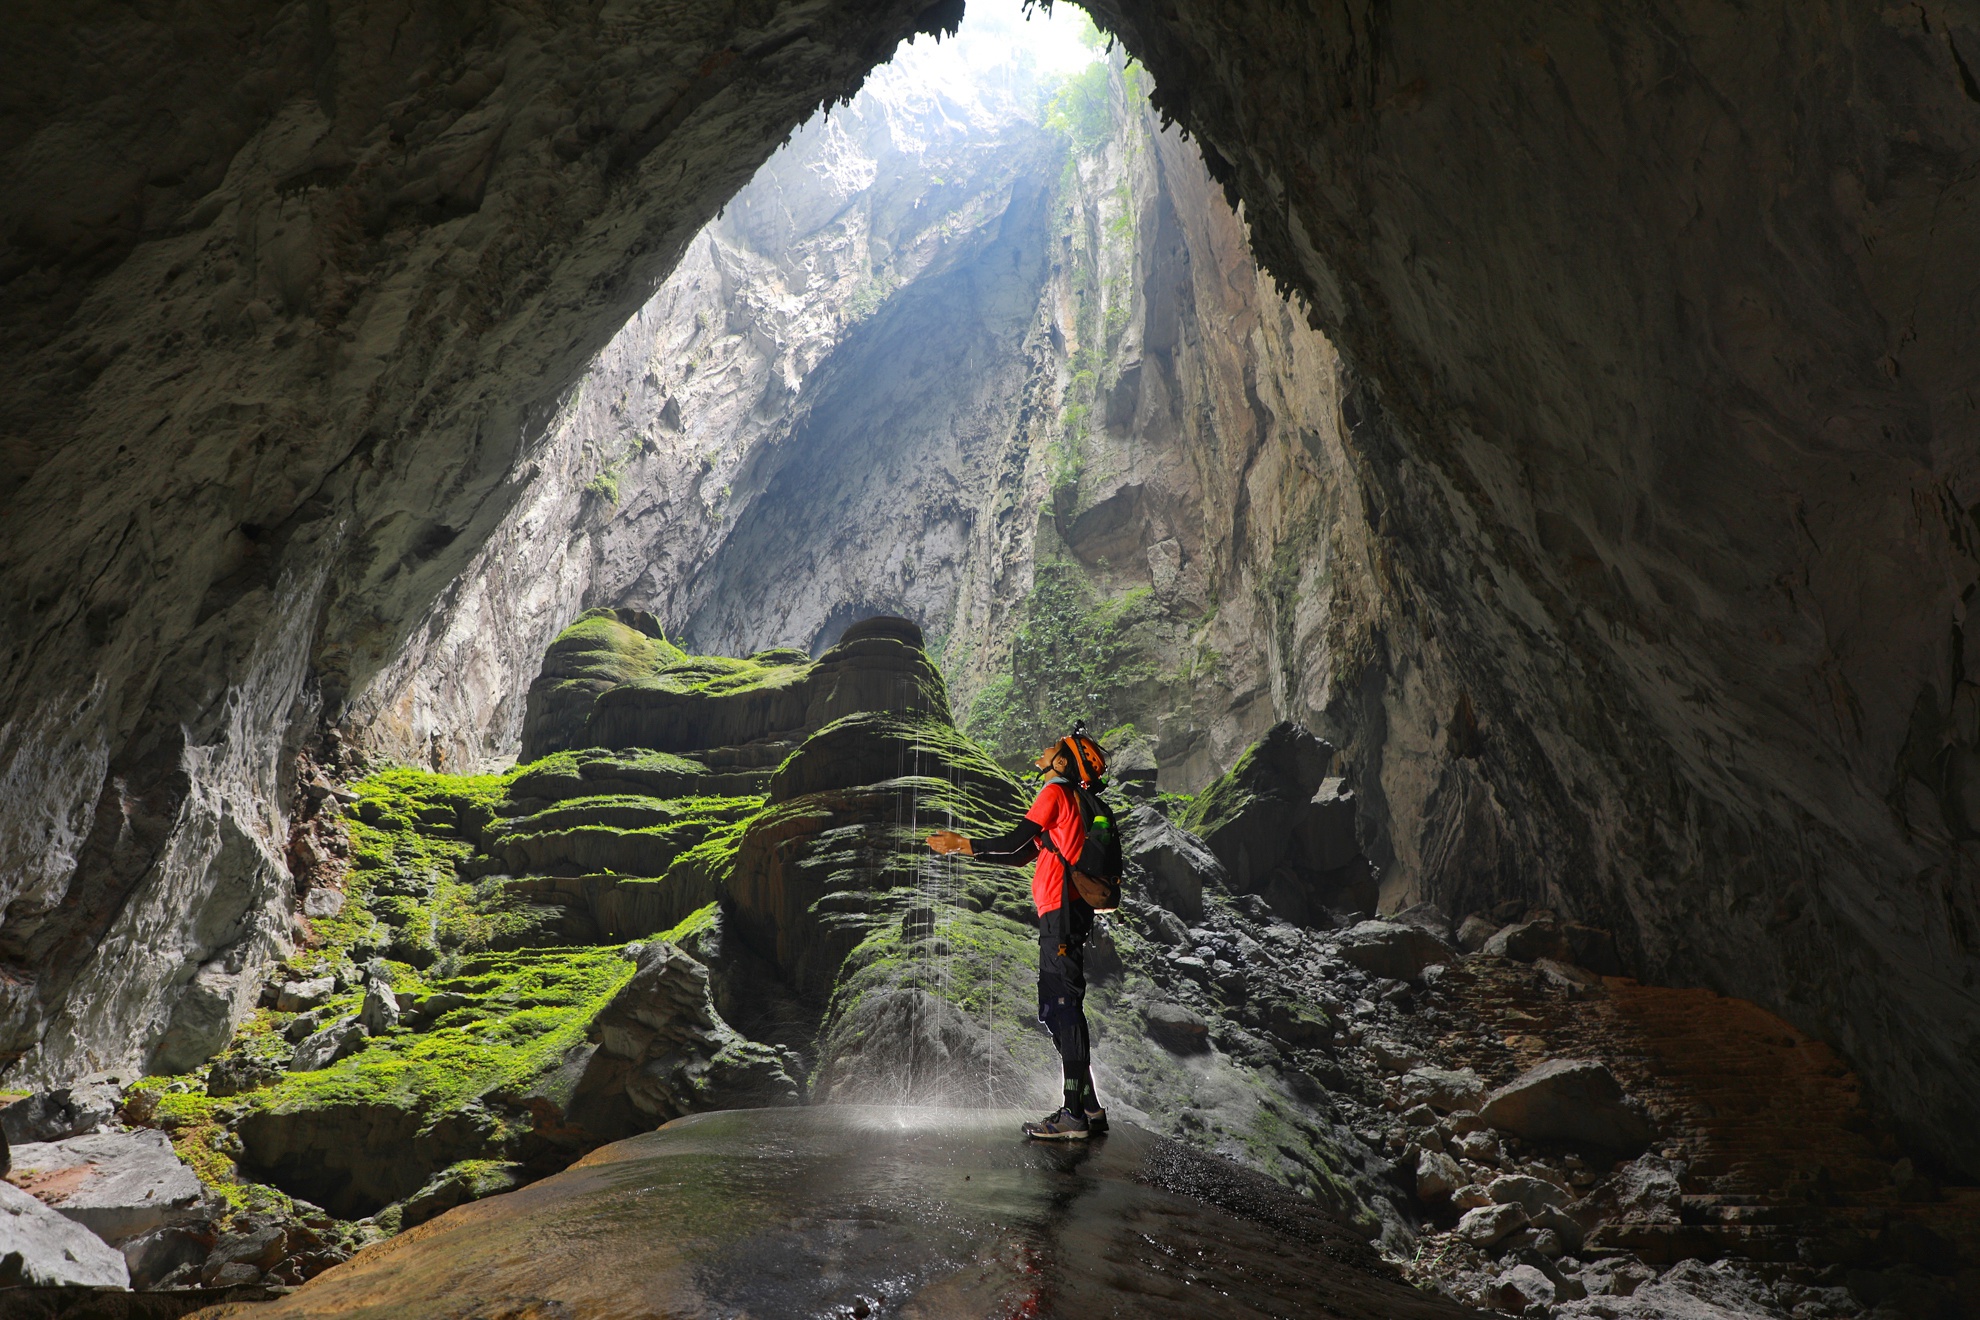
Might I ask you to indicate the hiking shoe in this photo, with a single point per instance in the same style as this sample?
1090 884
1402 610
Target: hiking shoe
1062 1126
1096 1121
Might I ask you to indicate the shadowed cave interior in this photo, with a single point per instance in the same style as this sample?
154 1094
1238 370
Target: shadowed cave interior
515 524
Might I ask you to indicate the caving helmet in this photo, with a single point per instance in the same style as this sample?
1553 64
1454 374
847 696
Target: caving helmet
1088 761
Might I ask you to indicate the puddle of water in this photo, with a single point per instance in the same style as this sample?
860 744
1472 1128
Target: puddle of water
851 1211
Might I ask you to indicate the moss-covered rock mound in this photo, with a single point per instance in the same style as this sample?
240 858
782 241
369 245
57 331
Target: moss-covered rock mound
709 891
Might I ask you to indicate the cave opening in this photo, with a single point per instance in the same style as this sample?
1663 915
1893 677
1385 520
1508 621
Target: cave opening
985 348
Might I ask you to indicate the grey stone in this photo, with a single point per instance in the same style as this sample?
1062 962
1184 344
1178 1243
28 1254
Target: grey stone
1527 1191
680 1057
301 996
1390 949
1471 1196
1164 927
220 994
339 1040
1176 1029
1689 1290
1473 932
41 1248
1487 1224
1524 941
1520 1287
380 1012
323 902
1576 1102
153 1257
1443 1089
1171 862
1437 1176
63 1111
1391 1057
1647 1190
116 1184
1480 1147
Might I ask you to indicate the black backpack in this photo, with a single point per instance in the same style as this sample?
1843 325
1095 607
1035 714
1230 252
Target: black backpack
1097 876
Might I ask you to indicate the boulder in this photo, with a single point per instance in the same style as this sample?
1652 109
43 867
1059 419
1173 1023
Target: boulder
245 1254
153 1257
63 1111
1647 1190
1474 931
1575 1102
1284 830
323 902
1524 941
665 1048
1520 1287
1392 950
1591 947
302 996
40 1248
1489 1223
1437 1176
1175 1028
1443 1089
457 1185
116 1184
1298 1024
1426 917
380 1012
339 1040
1169 862
1530 1193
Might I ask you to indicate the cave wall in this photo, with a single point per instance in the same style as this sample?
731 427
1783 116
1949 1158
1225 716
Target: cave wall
292 290
1659 320
1655 318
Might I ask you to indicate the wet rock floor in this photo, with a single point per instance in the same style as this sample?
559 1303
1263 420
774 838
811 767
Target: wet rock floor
853 1211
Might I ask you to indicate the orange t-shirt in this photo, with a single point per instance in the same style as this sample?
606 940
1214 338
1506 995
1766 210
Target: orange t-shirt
1056 812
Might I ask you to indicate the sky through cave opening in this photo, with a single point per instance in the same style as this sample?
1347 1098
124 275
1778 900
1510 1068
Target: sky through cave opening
985 348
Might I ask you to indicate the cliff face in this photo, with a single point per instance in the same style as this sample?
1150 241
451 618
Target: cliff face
1666 426
287 294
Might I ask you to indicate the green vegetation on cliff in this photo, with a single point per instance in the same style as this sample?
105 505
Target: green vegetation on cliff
1076 655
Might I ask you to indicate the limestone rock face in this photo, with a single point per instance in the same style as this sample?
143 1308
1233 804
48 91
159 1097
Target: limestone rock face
261 415
1286 830
1669 469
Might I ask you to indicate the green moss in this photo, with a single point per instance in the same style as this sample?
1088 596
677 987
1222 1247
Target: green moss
600 646
1076 655
720 675
699 922
525 1011
1223 798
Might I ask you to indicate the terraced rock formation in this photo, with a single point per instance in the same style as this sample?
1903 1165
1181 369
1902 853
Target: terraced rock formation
713 894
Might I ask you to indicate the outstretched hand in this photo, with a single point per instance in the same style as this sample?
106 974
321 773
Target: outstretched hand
948 841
